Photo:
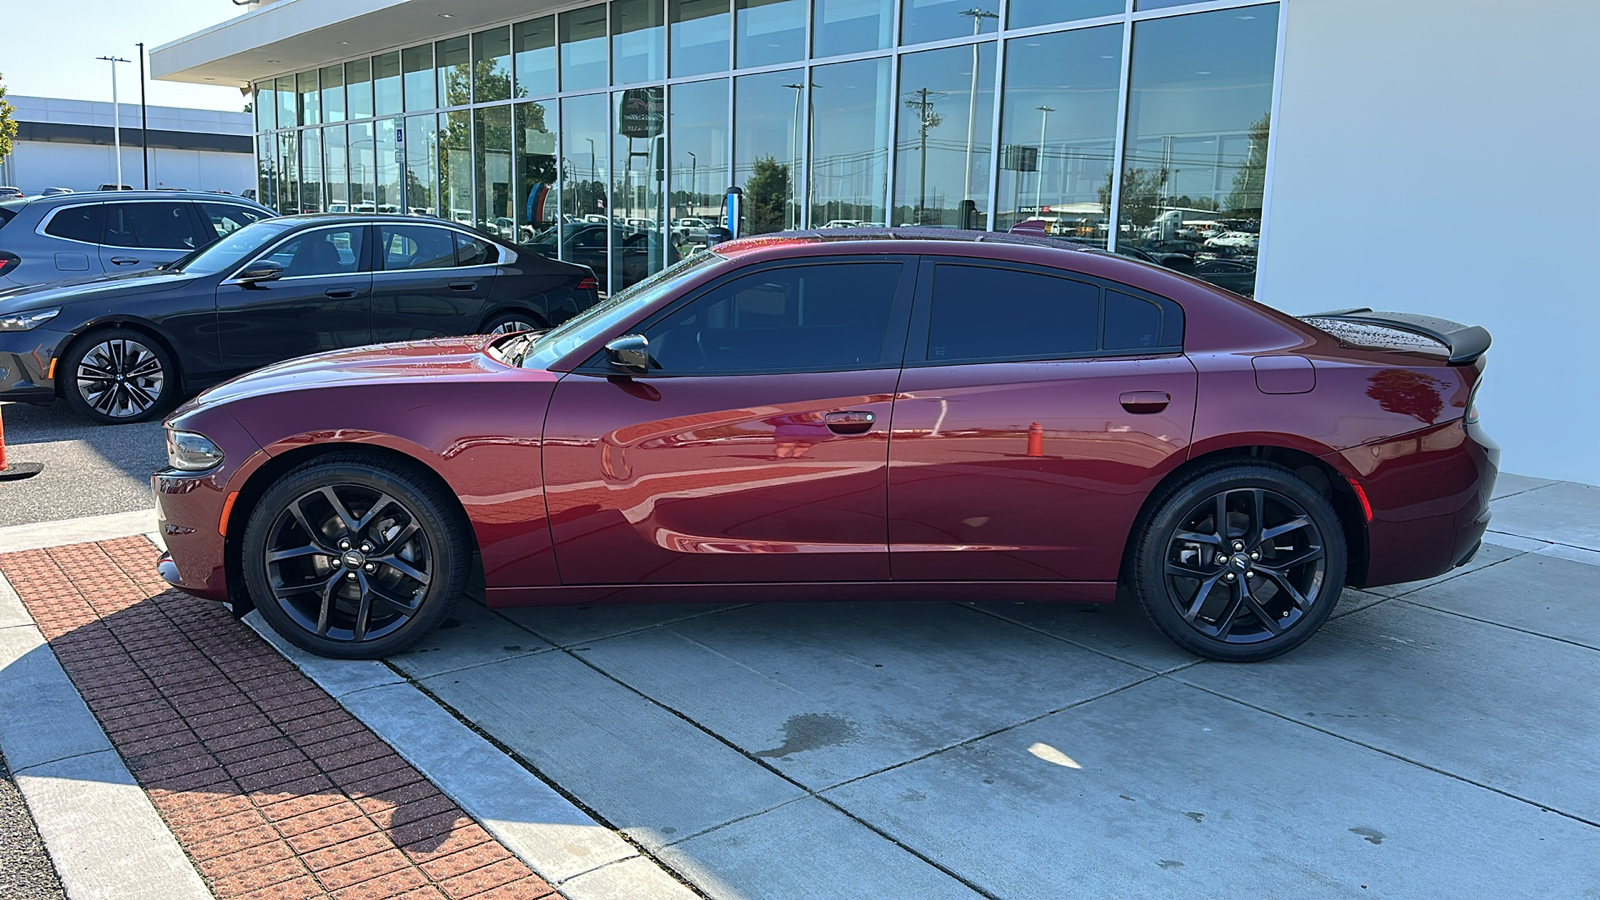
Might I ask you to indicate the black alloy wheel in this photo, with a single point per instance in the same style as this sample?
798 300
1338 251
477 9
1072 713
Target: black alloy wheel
1241 562
115 376
355 557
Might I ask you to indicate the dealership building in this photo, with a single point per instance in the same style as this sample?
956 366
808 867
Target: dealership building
1328 153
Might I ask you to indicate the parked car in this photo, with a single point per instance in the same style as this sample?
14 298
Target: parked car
83 235
52 191
690 230
113 187
124 348
634 255
8 192
722 433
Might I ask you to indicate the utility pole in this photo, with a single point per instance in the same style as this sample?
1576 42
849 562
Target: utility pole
978 15
116 117
144 121
794 160
926 118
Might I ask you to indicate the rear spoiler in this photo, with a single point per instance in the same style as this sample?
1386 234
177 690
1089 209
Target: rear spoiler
1465 342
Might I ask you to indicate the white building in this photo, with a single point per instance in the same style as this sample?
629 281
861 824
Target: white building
70 144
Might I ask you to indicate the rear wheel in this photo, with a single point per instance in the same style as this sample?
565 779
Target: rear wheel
354 557
511 323
117 376
1241 562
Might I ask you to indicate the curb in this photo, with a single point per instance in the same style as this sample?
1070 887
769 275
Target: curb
81 530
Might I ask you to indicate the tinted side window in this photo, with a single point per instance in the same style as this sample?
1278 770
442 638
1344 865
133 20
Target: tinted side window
990 313
472 252
153 225
326 251
1131 323
225 218
416 247
78 223
803 319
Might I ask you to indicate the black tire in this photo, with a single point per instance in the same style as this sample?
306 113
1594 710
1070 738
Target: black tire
511 322
114 376
301 551
1259 585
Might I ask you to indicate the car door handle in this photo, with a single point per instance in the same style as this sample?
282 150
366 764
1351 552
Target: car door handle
1145 401
124 261
463 285
341 293
853 422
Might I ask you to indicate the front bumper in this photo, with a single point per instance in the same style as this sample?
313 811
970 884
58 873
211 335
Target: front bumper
189 518
25 359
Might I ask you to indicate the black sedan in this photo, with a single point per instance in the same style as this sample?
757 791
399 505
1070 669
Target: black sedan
634 254
124 348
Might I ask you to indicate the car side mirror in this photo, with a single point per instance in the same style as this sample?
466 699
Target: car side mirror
716 234
258 271
630 352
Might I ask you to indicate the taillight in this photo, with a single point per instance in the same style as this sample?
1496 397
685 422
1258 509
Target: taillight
1472 403
589 283
8 262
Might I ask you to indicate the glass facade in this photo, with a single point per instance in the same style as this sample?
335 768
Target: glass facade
606 133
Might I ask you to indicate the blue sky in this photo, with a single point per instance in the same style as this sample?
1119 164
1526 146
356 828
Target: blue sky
50 48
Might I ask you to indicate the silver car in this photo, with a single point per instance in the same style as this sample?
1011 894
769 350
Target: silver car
87 235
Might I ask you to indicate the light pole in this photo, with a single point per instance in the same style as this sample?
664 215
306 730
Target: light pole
694 182
116 117
794 158
592 167
926 118
1038 197
978 15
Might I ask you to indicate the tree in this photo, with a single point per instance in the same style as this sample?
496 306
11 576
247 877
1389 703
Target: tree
1141 195
8 127
766 197
1250 181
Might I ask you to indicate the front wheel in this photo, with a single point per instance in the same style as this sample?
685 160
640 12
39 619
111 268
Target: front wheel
1241 562
117 376
353 557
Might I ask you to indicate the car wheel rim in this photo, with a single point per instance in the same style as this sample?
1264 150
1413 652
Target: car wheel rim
512 326
1245 566
120 378
348 563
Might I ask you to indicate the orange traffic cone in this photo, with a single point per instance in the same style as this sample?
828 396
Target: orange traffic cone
15 471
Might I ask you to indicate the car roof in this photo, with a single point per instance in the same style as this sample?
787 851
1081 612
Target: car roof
80 196
830 236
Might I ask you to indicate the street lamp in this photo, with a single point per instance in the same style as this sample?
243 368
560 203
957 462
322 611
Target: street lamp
978 15
694 182
116 116
1038 197
794 158
592 163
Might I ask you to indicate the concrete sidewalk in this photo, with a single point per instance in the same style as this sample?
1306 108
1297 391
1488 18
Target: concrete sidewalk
1437 739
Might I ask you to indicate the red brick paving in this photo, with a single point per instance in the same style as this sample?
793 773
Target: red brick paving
274 790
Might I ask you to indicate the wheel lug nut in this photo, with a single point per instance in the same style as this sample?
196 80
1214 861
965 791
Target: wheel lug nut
1249 574
1238 545
344 545
1255 555
1228 577
351 576
366 548
371 568
1223 560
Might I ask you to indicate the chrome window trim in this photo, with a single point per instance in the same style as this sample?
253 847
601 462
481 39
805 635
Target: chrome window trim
446 226
284 239
49 216
53 213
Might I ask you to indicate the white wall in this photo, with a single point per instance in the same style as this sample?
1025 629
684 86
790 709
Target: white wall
34 166
1437 156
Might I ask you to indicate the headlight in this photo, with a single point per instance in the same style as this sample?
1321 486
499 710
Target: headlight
190 452
27 321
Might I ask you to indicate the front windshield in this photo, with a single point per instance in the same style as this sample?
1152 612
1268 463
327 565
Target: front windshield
597 320
232 249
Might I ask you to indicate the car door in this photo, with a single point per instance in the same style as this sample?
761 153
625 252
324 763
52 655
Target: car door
1036 411
430 280
754 450
142 234
321 302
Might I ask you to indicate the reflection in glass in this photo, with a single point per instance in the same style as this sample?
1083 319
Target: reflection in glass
851 26
337 155
766 149
533 45
422 164
585 122
699 170
1142 5
637 39
1025 13
583 48
453 62
267 170
638 204
937 20
947 106
1199 105
363 168
491 166
333 94
262 104
288 172
358 88
416 69
455 166
849 143
699 36
388 195
1058 129
311 170
288 108
310 98
535 144
769 32
491 65
386 83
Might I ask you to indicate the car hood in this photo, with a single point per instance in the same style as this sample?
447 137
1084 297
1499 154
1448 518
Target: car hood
103 287
433 360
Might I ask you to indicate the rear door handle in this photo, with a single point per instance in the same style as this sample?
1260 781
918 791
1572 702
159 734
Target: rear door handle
853 422
1145 401
124 261
463 285
341 293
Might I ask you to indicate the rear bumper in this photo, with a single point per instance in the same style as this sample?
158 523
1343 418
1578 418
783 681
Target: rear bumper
25 358
1429 492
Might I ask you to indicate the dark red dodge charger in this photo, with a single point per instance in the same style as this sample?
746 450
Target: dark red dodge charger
856 415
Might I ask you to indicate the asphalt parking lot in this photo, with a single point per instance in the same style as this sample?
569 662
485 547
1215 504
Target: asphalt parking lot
89 469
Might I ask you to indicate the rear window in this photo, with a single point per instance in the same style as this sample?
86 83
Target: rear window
8 211
78 223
